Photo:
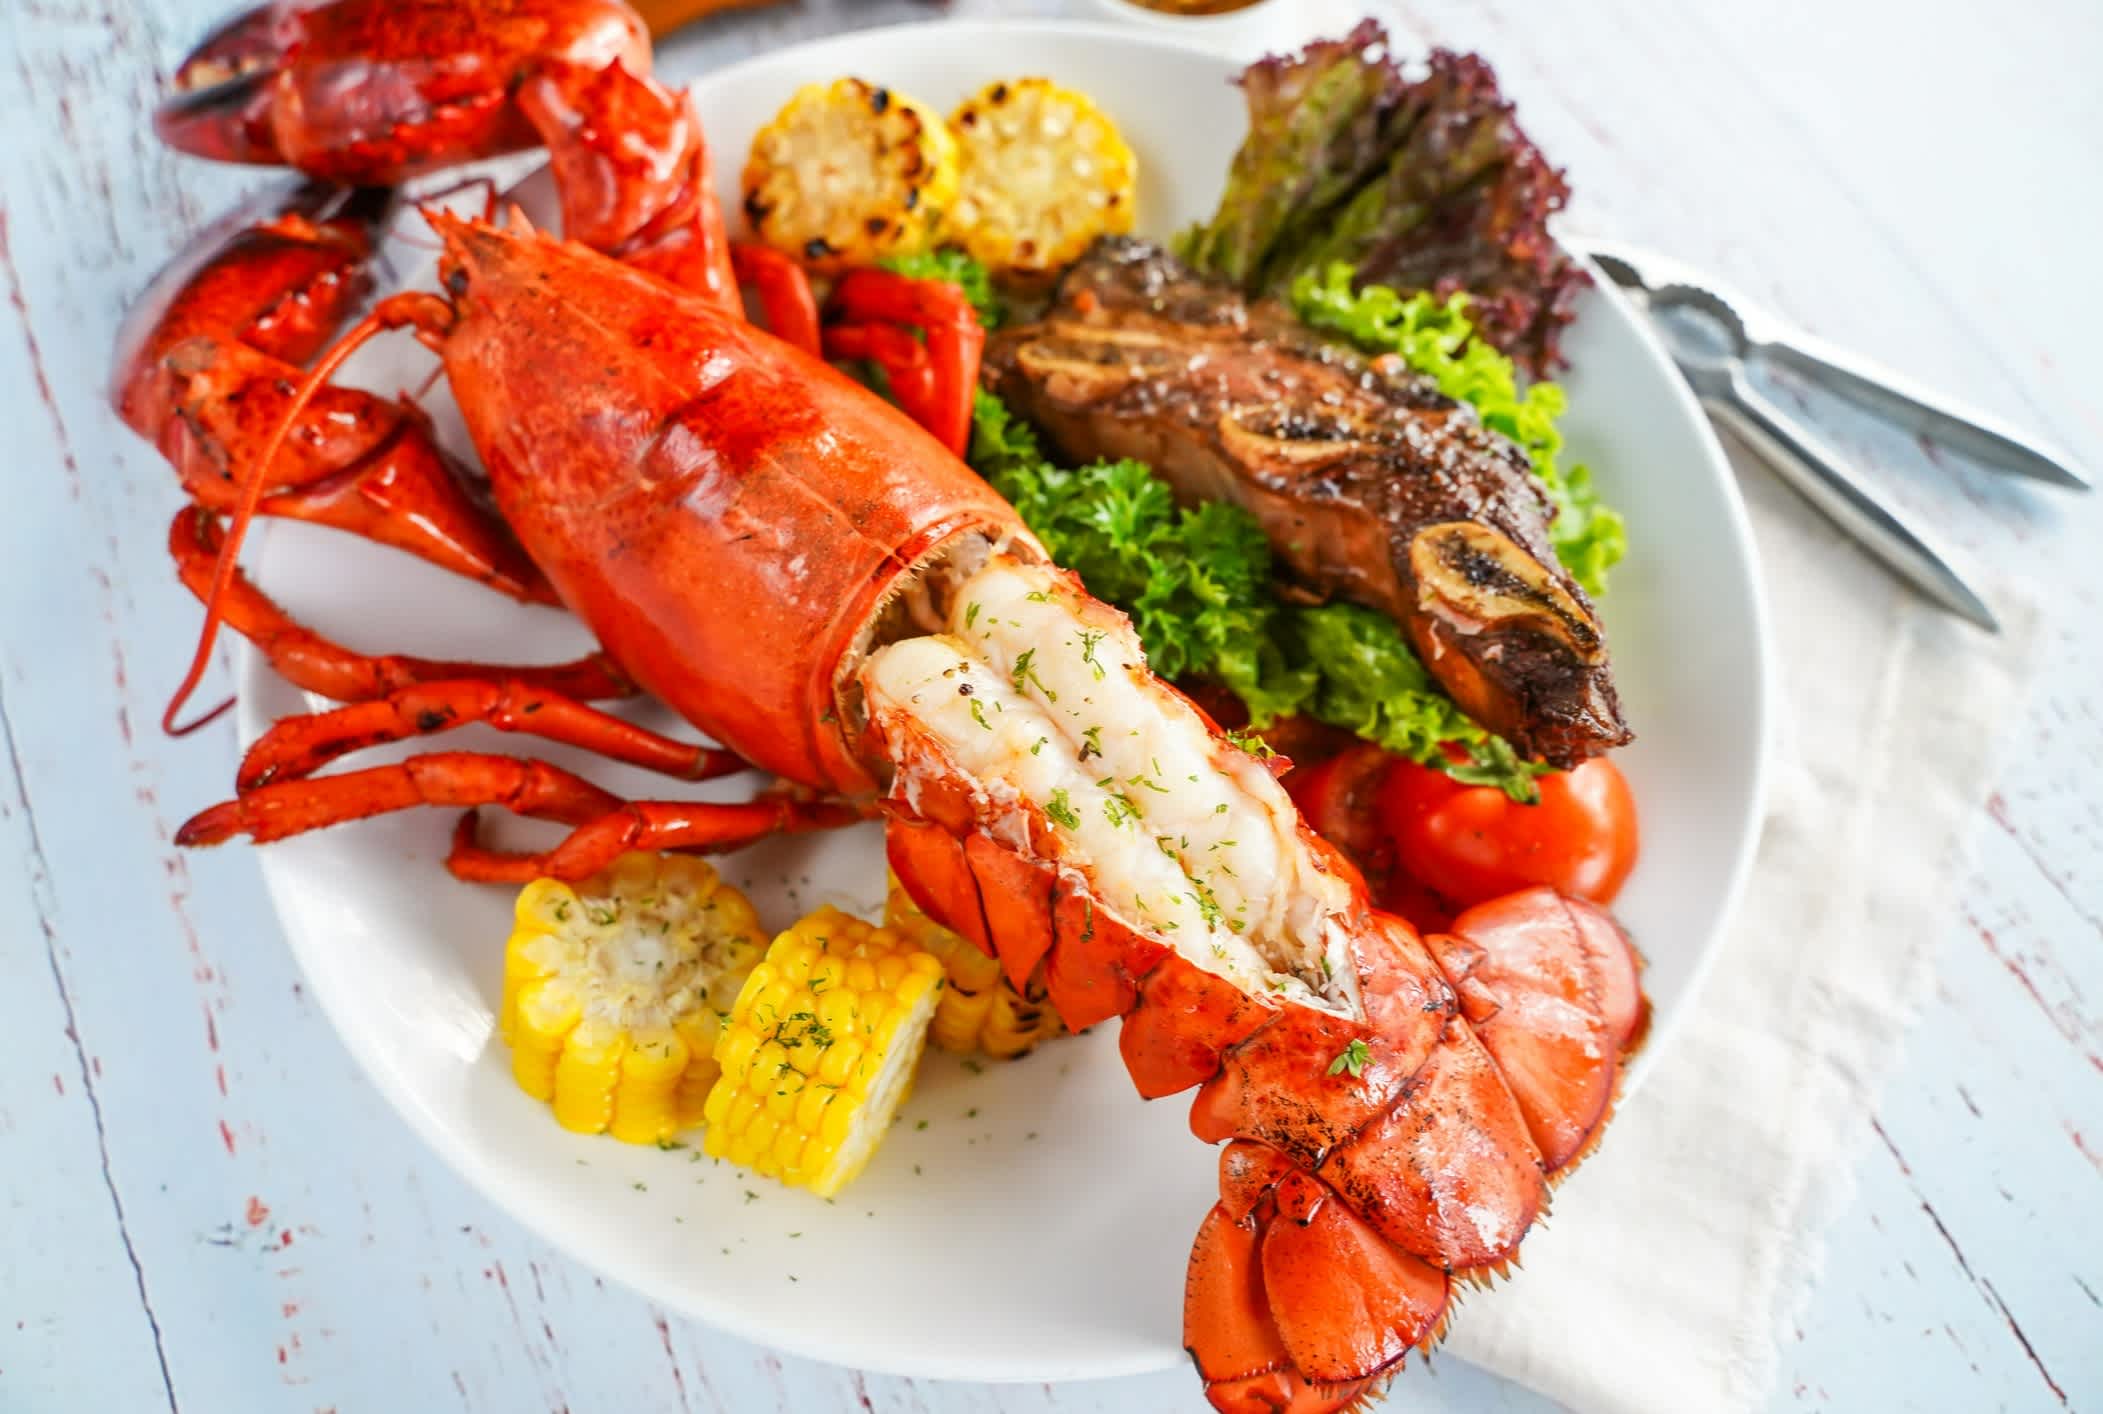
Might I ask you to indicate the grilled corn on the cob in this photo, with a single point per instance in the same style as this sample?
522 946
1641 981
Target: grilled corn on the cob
614 992
848 173
979 1010
819 1051
1041 173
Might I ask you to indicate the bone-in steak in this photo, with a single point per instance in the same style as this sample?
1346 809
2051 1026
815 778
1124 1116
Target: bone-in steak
1372 485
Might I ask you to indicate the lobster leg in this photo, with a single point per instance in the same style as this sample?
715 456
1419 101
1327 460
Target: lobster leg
297 747
907 371
784 291
205 365
608 826
954 337
705 826
308 661
441 778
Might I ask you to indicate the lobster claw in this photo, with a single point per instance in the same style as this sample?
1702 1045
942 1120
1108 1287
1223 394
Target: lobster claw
223 107
205 363
374 92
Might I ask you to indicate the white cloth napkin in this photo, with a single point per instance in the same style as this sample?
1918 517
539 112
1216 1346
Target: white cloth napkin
1692 1237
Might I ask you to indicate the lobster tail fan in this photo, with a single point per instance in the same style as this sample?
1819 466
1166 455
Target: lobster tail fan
1550 1001
1293 1303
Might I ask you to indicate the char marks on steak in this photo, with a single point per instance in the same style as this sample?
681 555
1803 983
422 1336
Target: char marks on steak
1371 485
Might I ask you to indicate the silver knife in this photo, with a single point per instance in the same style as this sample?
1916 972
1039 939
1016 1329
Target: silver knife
1797 454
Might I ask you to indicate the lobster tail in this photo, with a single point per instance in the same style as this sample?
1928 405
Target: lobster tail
1393 1107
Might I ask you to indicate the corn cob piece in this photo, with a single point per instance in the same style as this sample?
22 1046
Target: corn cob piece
1041 173
819 1051
614 992
848 173
980 1010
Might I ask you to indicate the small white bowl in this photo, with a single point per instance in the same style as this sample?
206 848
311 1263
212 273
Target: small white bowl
1264 27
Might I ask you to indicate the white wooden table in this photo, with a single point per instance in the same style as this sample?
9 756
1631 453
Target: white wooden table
206 1208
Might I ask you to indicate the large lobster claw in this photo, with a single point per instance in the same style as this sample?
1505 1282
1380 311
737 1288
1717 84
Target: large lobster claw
377 91
205 367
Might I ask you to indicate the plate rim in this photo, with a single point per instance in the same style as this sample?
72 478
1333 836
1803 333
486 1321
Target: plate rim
542 1218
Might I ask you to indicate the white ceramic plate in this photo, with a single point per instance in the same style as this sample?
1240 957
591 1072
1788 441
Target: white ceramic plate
1049 1166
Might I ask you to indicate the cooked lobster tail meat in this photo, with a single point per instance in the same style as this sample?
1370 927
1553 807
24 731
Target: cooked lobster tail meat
1370 484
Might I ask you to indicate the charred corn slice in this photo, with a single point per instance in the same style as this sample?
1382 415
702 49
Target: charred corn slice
1041 173
819 1051
848 173
614 992
979 1010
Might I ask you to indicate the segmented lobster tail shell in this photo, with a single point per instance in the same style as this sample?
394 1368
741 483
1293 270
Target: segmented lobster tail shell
1367 1164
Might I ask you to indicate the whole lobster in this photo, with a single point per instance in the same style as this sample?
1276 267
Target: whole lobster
816 581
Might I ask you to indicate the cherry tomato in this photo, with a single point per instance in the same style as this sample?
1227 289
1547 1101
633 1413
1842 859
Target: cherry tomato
1471 843
1337 798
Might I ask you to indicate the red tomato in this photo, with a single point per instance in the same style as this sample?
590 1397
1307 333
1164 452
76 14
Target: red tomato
1337 798
1472 843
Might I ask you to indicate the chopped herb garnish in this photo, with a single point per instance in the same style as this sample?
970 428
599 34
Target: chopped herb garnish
1352 1058
1089 639
1208 903
1061 810
1024 674
971 613
978 714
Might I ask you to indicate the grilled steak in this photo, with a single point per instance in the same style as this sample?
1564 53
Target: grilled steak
1372 485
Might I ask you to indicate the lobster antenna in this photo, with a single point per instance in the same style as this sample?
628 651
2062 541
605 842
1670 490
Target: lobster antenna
223 569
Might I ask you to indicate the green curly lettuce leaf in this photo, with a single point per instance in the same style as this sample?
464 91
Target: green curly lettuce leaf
1437 338
1368 681
1196 581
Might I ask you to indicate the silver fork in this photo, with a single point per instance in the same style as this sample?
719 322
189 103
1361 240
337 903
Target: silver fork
1799 456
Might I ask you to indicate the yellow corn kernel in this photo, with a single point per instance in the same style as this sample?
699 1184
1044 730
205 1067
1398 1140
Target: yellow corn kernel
818 1051
848 173
980 1010
613 990
1041 173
